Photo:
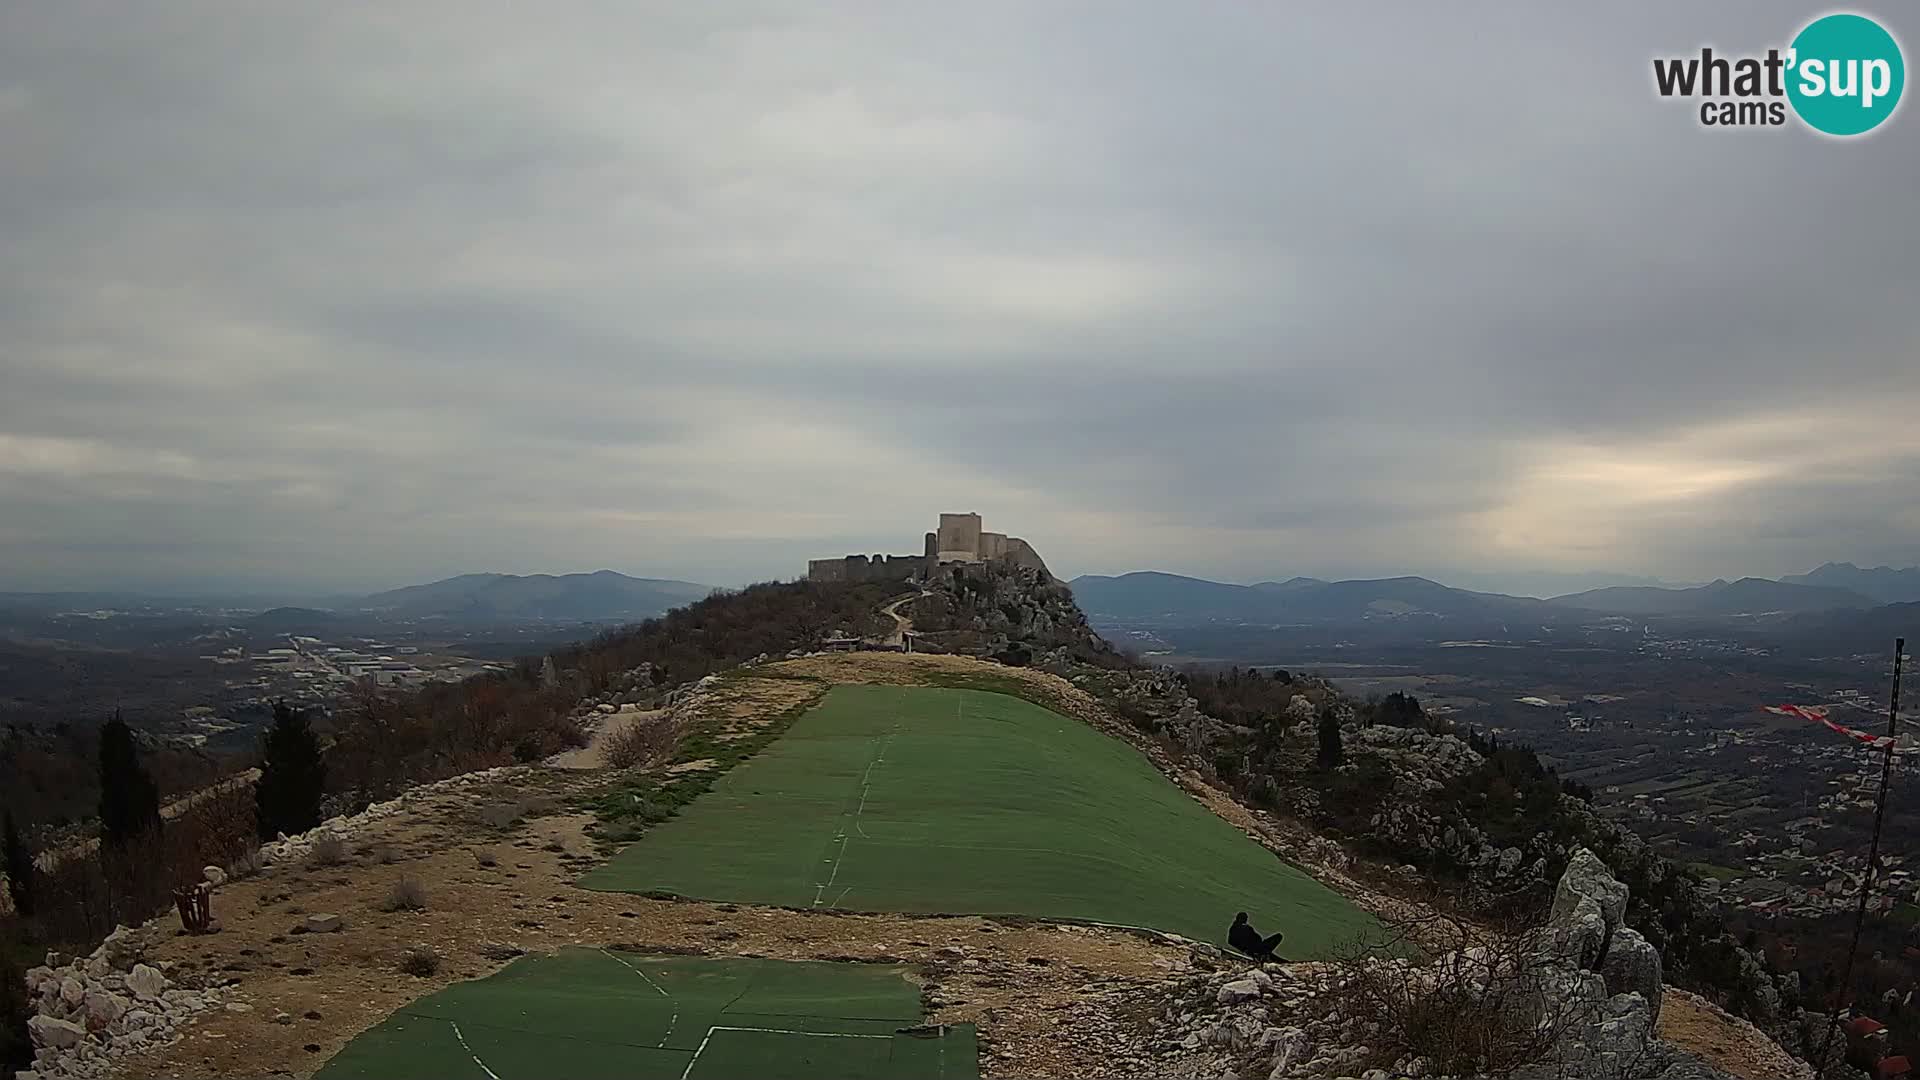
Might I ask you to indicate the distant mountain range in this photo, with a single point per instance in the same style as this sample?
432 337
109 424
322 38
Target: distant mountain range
1882 584
602 596
1748 596
1150 595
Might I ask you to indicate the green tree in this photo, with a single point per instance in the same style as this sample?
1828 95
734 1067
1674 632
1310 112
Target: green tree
19 863
1331 752
16 1040
129 799
293 775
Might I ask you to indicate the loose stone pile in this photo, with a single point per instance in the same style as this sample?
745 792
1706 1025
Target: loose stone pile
90 1011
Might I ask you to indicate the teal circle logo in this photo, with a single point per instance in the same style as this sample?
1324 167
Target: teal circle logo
1845 74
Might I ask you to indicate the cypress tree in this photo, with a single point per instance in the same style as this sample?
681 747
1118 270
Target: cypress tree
129 799
1331 752
293 776
19 862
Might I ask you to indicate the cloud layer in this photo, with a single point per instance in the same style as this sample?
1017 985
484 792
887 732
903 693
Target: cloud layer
339 298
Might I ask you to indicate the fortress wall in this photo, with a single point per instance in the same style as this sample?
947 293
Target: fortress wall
830 569
959 534
1021 553
861 568
959 539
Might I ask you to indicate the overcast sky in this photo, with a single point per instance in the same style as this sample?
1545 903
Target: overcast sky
351 296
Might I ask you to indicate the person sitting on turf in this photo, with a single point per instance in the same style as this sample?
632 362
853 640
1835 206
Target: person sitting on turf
1244 937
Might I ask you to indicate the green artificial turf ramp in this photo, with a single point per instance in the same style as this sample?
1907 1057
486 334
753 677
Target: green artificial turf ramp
914 799
620 1016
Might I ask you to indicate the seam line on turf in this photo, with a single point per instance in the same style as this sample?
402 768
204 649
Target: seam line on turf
469 1050
708 1037
671 1021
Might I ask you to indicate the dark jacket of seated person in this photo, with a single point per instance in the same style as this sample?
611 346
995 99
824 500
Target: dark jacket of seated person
1244 937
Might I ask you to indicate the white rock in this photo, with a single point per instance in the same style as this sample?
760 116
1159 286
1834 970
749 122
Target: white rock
1237 991
72 991
146 982
214 876
323 923
55 1034
104 1008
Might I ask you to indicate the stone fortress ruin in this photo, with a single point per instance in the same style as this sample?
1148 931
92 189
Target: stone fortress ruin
958 540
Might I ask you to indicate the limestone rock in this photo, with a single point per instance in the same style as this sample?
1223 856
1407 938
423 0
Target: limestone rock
1632 965
122 949
73 991
146 982
1237 991
214 876
57 1034
324 923
103 1009
1587 877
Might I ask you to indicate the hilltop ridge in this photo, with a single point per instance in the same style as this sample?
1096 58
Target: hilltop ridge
600 596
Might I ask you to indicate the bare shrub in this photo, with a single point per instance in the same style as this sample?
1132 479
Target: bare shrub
1486 1007
385 855
328 850
245 865
407 894
641 743
420 960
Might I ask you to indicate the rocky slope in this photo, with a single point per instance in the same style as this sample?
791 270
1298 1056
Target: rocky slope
1580 997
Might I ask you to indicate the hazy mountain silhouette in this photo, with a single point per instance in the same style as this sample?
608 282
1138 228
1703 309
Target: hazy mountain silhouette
1747 596
602 595
1883 584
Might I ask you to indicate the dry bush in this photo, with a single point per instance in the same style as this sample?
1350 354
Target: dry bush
420 960
641 743
407 894
81 897
385 855
245 865
327 851
1486 1007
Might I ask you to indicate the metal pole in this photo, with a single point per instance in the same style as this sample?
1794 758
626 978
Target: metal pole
1873 851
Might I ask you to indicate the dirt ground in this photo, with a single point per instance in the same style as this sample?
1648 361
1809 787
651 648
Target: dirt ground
1048 1000
309 994
1700 1027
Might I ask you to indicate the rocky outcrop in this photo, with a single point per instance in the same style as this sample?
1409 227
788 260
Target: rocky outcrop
1586 980
87 1013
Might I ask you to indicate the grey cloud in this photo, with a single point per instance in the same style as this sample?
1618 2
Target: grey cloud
346 298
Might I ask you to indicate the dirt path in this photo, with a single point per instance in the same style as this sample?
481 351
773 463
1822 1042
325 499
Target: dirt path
902 625
594 754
